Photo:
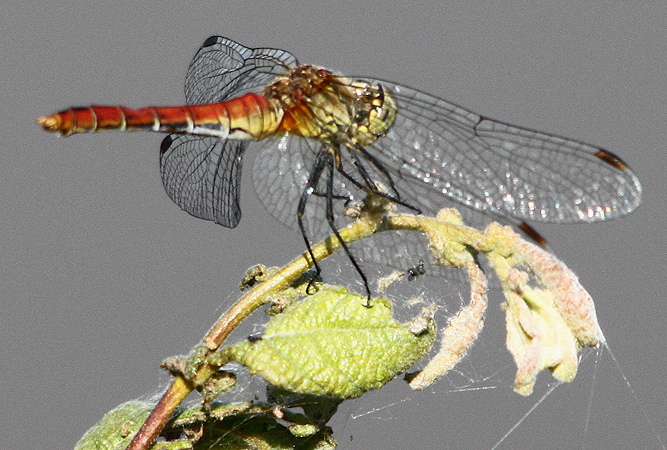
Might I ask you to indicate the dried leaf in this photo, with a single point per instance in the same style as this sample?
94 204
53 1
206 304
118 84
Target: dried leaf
549 315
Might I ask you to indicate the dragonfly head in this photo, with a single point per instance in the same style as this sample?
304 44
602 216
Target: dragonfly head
374 112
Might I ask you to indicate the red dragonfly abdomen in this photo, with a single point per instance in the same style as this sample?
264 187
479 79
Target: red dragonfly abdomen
250 117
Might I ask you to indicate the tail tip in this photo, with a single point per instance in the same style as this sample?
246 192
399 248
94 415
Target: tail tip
49 123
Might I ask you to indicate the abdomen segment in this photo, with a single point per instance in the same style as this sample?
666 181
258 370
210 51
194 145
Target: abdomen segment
251 117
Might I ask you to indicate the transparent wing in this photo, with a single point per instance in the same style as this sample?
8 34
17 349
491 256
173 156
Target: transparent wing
280 174
203 176
440 155
436 149
223 68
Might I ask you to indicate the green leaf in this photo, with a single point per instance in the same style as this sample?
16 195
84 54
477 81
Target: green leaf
239 426
331 344
116 428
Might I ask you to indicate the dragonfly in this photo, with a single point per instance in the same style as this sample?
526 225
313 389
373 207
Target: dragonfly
325 140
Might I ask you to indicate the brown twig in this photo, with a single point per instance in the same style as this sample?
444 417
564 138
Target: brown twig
181 387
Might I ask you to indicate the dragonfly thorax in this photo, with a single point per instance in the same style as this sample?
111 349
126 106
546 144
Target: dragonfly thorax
332 109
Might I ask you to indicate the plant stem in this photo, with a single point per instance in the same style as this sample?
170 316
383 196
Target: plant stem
180 387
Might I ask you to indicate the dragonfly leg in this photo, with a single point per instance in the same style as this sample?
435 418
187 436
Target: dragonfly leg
377 164
325 159
369 183
311 186
332 224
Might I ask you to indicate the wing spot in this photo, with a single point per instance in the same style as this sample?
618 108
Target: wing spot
611 159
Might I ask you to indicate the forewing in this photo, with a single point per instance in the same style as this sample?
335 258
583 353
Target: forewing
203 176
436 149
223 68
437 155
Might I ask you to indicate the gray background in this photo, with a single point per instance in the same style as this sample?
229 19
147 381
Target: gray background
101 276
